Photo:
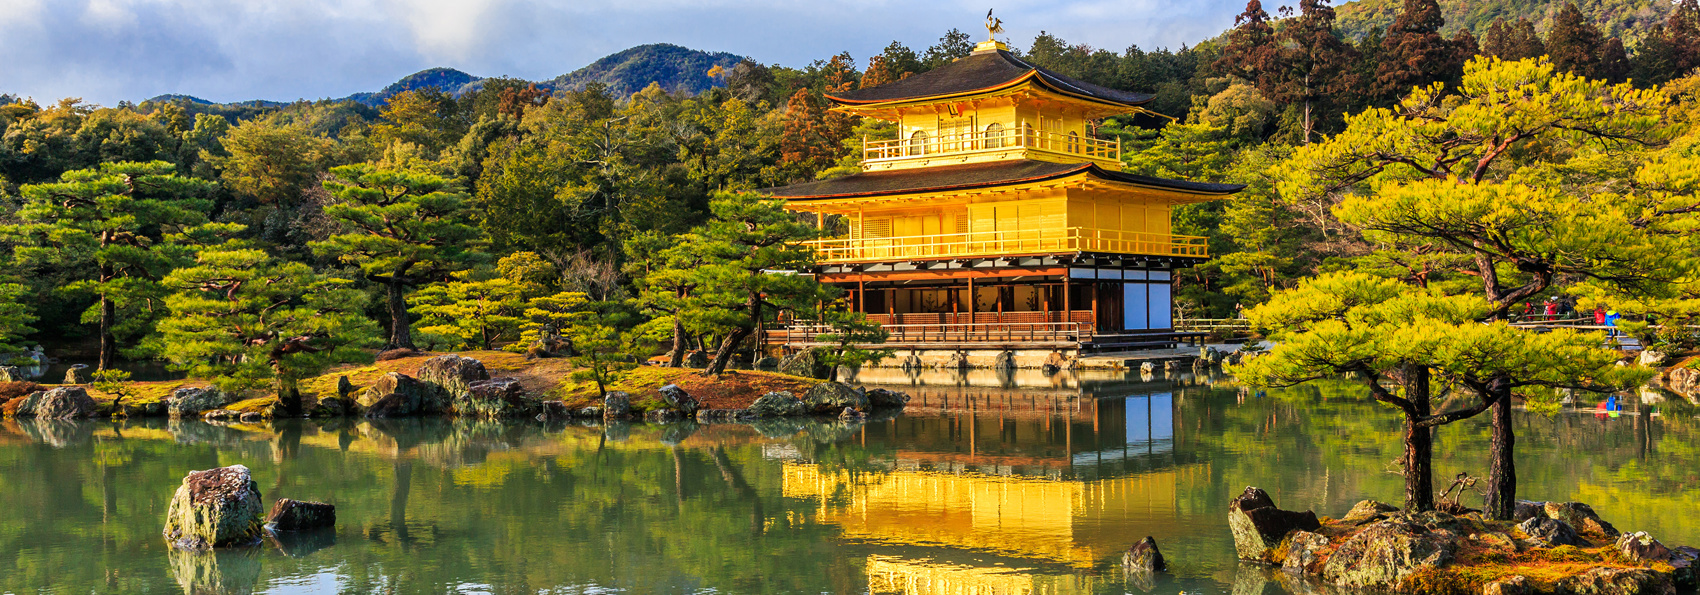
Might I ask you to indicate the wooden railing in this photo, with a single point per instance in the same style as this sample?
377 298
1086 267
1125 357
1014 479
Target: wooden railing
1031 332
1071 144
1213 324
997 243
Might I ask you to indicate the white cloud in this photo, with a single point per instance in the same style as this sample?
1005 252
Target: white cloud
231 50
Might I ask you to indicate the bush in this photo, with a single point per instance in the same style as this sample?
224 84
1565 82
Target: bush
13 390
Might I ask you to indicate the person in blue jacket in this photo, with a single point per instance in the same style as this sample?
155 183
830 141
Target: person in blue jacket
1611 321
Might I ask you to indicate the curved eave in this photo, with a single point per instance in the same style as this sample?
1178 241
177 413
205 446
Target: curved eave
1007 86
1099 175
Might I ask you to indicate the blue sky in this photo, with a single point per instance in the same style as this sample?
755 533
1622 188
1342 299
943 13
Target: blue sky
106 51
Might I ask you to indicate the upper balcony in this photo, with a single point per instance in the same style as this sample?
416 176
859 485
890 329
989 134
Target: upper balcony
995 144
1007 243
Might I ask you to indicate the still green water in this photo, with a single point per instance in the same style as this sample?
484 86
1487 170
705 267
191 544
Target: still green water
987 484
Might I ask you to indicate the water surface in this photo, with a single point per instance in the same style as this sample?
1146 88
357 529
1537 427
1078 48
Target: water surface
988 484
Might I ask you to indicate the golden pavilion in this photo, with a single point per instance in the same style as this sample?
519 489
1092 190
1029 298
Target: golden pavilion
996 220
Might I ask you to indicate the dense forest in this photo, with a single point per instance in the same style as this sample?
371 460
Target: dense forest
507 213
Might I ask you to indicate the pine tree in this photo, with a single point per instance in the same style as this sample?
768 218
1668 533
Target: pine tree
1513 41
1313 62
748 245
1683 28
246 319
1251 53
1575 44
130 223
955 44
402 228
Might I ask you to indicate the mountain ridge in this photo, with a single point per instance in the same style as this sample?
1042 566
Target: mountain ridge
1616 18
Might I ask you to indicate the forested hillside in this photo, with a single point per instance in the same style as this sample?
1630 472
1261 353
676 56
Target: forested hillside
672 67
1614 17
446 79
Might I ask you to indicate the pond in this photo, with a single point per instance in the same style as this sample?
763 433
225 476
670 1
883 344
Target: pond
987 484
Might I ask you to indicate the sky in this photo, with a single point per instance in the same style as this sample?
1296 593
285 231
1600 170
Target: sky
106 51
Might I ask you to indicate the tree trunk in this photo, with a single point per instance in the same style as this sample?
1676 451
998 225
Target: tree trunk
1502 470
108 343
401 331
288 395
1419 445
676 358
723 355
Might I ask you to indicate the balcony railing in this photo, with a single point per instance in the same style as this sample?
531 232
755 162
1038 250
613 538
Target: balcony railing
1000 243
1071 143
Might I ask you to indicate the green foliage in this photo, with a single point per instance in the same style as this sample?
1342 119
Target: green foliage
603 354
245 320
672 67
548 318
849 332
471 314
15 318
1616 18
115 383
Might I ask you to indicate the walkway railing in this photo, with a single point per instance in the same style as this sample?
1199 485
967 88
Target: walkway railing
967 142
999 243
1208 325
1033 332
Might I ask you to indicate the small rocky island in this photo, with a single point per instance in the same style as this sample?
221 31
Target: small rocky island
1559 548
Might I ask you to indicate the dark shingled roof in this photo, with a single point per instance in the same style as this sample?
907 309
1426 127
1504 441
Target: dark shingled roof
976 175
980 72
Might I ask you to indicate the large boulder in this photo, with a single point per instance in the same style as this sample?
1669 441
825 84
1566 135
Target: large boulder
215 508
192 401
880 398
65 402
1618 581
403 395
501 398
806 363
1369 511
1641 548
298 515
1685 382
1581 517
453 373
833 397
1651 358
1303 550
1550 532
616 405
1685 567
1383 554
778 404
678 399
1258 525
696 359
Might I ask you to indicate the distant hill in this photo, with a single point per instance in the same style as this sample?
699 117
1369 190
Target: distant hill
673 67
1622 18
174 98
447 80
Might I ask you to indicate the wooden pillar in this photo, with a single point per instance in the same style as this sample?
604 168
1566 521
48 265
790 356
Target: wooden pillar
861 296
1068 305
972 299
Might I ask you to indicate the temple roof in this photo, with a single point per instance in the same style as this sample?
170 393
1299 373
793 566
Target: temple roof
978 175
983 72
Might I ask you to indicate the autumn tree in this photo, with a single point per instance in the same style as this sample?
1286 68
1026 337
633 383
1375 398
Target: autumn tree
1313 62
1414 52
402 228
1443 174
1251 52
1574 43
129 223
248 320
1513 41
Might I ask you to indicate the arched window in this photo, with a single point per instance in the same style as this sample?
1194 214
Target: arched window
994 135
1074 142
918 143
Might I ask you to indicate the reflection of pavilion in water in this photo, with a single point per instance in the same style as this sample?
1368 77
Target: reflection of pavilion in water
1056 480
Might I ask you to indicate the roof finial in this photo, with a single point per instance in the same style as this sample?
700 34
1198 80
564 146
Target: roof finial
994 26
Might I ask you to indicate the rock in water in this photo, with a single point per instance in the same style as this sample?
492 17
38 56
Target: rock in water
502 398
1550 532
453 373
616 405
833 397
880 398
190 402
552 410
65 402
1258 525
215 508
298 515
411 396
1382 555
344 388
1144 557
78 374
677 398
1642 548
778 404
1685 564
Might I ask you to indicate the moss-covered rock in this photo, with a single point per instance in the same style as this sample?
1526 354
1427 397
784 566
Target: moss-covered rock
298 515
453 373
1384 554
834 397
190 402
778 404
215 508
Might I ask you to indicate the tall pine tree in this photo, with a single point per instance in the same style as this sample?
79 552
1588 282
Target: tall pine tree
1575 44
1414 53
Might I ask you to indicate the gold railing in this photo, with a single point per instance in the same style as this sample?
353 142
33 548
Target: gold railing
998 243
1071 143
